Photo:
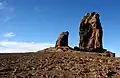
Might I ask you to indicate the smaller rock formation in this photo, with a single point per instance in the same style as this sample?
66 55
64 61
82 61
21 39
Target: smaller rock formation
62 40
76 48
108 54
62 43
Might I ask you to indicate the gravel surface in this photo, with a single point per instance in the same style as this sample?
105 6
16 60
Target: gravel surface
58 65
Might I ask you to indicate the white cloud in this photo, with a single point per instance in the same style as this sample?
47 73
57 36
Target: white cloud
37 9
7 11
9 34
40 10
11 9
14 47
2 5
7 18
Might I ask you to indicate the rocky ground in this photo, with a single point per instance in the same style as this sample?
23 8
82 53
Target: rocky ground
68 64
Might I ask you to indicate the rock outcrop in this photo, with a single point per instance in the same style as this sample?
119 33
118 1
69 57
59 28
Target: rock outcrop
62 40
91 33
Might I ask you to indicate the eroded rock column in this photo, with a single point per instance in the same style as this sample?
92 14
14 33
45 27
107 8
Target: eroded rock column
90 32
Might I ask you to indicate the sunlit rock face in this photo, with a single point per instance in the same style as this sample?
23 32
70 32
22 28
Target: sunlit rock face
90 33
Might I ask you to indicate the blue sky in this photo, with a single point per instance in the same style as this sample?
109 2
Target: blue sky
39 22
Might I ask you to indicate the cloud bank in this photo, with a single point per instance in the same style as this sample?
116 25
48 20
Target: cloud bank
20 47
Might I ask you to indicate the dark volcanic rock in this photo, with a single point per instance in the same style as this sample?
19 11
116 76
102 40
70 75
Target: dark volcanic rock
91 33
62 40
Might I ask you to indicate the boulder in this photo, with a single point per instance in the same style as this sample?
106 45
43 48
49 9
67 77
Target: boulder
90 33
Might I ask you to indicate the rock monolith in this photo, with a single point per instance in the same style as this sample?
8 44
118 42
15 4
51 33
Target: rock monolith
90 33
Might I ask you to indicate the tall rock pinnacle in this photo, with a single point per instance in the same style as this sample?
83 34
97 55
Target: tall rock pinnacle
90 32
